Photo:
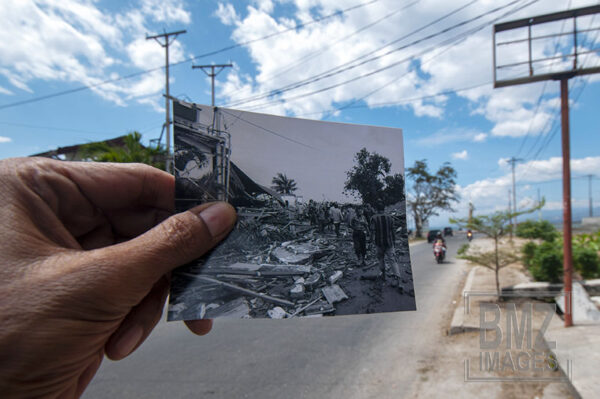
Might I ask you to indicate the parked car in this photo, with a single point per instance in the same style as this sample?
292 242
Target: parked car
431 235
448 231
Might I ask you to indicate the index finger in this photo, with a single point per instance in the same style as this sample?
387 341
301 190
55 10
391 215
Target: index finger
112 186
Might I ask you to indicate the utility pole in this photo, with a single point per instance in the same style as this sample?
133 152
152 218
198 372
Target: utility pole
509 211
567 218
561 73
212 75
539 202
167 42
512 162
591 203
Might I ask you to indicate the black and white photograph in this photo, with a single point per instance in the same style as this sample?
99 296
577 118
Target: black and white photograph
321 227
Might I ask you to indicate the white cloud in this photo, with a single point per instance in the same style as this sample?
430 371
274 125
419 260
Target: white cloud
226 14
492 193
480 137
4 139
76 41
463 155
513 111
166 11
445 136
5 91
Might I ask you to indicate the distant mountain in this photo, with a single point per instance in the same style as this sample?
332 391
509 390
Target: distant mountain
556 216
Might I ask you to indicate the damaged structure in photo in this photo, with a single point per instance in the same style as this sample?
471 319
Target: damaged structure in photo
289 255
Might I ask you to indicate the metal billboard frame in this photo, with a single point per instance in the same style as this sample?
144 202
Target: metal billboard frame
576 70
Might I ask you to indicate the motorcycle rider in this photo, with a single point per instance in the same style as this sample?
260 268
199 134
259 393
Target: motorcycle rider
439 237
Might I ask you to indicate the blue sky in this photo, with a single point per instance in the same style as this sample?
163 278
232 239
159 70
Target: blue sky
433 81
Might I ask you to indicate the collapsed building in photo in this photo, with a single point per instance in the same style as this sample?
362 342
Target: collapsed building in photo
279 261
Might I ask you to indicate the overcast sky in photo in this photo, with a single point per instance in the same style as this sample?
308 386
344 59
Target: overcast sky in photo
75 71
316 154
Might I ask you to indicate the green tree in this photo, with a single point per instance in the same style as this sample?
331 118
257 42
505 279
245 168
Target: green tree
495 226
132 151
371 181
430 193
283 185
532 229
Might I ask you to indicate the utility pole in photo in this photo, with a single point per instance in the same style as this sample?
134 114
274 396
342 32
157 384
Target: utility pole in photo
212 75
165 44
544 68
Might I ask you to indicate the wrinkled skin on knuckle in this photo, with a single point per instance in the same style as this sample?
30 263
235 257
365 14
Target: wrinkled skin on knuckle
183 234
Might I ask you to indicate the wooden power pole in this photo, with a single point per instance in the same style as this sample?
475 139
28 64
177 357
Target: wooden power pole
212 75
166 43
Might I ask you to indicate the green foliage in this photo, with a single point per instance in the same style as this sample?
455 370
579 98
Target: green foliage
546 264
586 262
591 241
491 259
370 180
283 185
463 249
132 151
534 229
545 261
528 252
430 193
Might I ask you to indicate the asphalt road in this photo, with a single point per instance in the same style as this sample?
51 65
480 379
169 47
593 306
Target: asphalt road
342 357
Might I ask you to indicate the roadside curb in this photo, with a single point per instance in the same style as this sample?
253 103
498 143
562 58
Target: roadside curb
459 324
577 351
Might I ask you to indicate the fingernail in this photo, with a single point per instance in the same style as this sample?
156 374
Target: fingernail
217 218
127 342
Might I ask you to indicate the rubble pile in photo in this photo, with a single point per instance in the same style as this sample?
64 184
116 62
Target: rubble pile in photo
274 265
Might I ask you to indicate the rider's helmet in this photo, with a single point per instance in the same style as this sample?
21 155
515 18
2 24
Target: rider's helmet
438 234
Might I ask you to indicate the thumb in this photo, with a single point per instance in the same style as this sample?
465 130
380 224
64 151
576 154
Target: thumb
174 242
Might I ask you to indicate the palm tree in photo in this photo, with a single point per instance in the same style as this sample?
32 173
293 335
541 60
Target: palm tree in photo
283 185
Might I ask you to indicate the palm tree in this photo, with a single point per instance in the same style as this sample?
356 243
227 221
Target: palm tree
132 151
283 185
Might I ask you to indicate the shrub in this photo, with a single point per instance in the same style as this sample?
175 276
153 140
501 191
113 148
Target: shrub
532 229
546 264
547 267
586 262
528 251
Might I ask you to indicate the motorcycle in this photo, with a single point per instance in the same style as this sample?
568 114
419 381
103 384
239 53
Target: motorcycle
439 252
469 236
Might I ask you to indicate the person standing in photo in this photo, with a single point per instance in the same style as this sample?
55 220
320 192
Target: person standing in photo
336 217
382 226
359 226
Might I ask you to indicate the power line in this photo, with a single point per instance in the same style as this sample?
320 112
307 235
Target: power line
314 54
190 59
400 102
68 129
349 65
239 117
409 58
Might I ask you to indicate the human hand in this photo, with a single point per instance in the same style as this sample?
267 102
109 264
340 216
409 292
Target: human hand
85 264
